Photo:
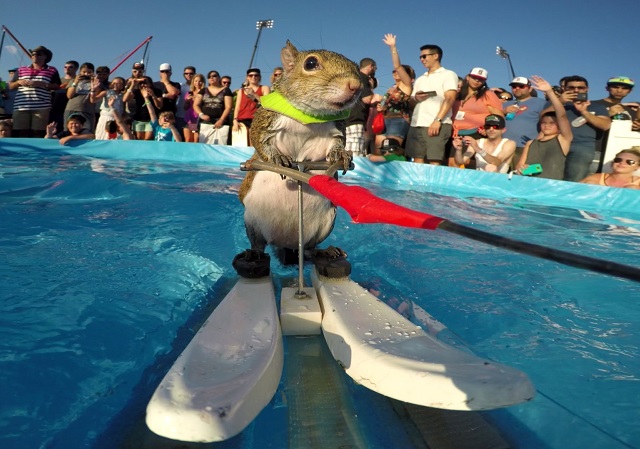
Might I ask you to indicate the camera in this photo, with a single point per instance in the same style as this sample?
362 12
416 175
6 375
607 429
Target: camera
581 96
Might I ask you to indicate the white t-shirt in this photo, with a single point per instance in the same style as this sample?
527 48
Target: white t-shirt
440 81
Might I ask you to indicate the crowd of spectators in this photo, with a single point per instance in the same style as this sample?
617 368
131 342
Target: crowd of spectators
438 117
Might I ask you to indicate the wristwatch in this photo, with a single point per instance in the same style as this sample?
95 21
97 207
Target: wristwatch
437 120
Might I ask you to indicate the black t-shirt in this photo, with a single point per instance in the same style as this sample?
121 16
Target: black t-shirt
141 113
213 105
168 104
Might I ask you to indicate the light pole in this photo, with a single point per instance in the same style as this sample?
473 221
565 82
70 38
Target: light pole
260 24
504 55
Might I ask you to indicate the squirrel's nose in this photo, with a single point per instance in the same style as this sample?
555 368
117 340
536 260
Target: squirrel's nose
354 85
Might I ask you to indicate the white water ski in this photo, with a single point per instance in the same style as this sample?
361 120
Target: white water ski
227 374
385 352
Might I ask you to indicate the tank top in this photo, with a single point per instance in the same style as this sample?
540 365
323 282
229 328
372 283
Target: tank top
548 154
481 163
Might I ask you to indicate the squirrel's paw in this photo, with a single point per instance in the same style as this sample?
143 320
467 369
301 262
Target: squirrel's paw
282 160
340 154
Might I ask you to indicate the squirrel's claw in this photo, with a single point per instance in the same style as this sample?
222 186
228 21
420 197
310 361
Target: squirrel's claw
282 160
338 154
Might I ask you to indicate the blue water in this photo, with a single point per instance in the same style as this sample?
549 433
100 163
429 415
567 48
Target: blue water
111 255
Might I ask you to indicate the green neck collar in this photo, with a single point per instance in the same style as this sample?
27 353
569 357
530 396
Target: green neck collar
277 103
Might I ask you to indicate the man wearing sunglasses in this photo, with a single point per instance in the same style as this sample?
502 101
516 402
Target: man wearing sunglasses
170 90
492 154
433 95
32 104
522 114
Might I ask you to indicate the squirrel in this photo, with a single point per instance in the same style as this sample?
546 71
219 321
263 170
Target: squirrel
301 120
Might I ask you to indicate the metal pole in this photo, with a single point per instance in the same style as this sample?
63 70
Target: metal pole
505 55
260 24
255 47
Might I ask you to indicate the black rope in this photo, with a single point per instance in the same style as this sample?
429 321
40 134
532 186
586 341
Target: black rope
543 252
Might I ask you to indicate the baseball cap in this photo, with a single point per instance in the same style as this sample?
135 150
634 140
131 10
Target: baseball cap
520 80
253 70
138 65
15 69
479 72
79 117
494 120
165 66
621 80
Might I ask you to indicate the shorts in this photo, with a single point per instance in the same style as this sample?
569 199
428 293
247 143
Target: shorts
396 126
355 139
431 148
36 119
142 126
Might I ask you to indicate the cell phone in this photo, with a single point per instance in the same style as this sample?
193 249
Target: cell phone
581 96
532 169
431 93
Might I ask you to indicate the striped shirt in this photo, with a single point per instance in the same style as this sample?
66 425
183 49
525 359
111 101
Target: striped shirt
31 98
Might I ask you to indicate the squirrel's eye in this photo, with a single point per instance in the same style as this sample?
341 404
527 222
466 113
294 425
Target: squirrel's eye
311 63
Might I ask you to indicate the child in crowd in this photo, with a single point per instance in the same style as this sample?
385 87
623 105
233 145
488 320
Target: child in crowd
551 147
164 126
75 130
5 128
391 150
493 153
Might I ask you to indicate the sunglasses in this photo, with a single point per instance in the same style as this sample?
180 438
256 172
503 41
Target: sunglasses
165 71
226 82
518 86
253 75
37 53
631 162
425 55
492 127
506 98
214 76
189 73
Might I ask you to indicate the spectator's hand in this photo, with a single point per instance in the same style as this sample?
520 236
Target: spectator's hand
95 83
512 108
421 95
471 142
434 128
64 140
51 128
521 169
568 96
390 40
581 106
146 93
540 84
380 108
456 142
111 101
205 117
635 125
616 109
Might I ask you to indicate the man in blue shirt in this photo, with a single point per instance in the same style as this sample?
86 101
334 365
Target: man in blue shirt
522 114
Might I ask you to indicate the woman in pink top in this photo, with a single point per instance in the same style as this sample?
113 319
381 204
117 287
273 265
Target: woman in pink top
190 132
473 103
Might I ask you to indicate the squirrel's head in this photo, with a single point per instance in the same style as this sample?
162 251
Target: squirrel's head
318 81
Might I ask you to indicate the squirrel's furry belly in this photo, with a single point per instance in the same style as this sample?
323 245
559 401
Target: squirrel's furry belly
271 208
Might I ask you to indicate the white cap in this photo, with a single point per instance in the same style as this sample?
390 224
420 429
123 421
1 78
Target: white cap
520 80
479 72
165 66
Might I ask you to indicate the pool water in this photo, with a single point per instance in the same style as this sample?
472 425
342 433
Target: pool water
111 257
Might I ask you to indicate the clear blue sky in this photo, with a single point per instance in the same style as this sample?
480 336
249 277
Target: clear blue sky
593 38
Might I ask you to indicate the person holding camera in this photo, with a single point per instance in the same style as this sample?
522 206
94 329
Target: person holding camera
588 122
79 94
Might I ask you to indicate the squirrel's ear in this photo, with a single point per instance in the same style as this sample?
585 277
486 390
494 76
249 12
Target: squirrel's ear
288 56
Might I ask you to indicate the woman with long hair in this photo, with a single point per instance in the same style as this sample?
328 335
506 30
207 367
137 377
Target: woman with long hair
213 106
196 87
395 104
248 99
